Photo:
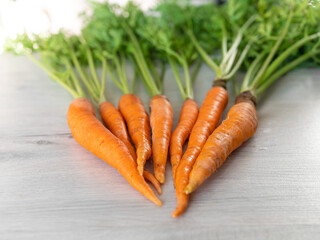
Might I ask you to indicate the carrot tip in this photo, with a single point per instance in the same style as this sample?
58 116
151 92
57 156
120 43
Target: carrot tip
158 202
188 189
176 213
160 177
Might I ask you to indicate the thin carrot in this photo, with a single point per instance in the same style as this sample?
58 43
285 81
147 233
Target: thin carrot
90 133
149 176
188 117
208 119
115 123
161 114
137 120
240 124
161 120
211 111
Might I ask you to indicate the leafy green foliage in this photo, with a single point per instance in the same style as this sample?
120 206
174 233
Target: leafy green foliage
151 39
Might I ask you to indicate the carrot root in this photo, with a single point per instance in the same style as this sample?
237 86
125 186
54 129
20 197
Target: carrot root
137 120
114 121
90 133
188 117
161 120
209 117
240 124
148 176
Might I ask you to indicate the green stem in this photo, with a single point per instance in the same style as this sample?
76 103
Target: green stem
95 90
155 74
124 72
203 54
141 61
148 81
81 73
163 71
253 69
225 67
239 62
230 55
121 75
74 78
235 86
134 81
53 76
273 66
103 80
284 70
139 70
114 79
177 77
272 53
189 91
233 49
224 40
92 68
196 71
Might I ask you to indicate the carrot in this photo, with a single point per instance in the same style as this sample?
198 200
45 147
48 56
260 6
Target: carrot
240 124
137 120
188 117
148 176
161 120
242 121
208 119
90 133
115 123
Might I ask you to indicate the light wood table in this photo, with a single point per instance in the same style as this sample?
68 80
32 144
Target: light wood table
52 188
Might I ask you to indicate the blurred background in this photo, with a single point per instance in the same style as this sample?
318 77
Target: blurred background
35 16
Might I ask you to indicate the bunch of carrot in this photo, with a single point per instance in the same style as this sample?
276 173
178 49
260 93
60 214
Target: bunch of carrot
266 40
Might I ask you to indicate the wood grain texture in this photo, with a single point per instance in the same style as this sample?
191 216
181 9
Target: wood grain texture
51 188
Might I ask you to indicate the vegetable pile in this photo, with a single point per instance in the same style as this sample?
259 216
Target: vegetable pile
266 39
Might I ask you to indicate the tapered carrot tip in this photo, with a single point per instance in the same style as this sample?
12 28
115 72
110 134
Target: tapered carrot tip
158 189
148 176
177 212
188 189
160 177
158 202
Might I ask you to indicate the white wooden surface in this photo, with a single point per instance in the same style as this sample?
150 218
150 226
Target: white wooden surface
51 188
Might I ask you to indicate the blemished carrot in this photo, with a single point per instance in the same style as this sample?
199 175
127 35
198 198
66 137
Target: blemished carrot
240 124
90 133
115 123
161 120
208 119
188 117
137 120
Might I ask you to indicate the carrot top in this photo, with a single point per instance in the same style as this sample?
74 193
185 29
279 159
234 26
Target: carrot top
281 45
104 35
57 58
164 28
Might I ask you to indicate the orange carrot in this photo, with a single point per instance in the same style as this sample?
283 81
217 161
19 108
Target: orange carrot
240 124
90 133
208 119
161 120
188 117
115 123
148 176
137 120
